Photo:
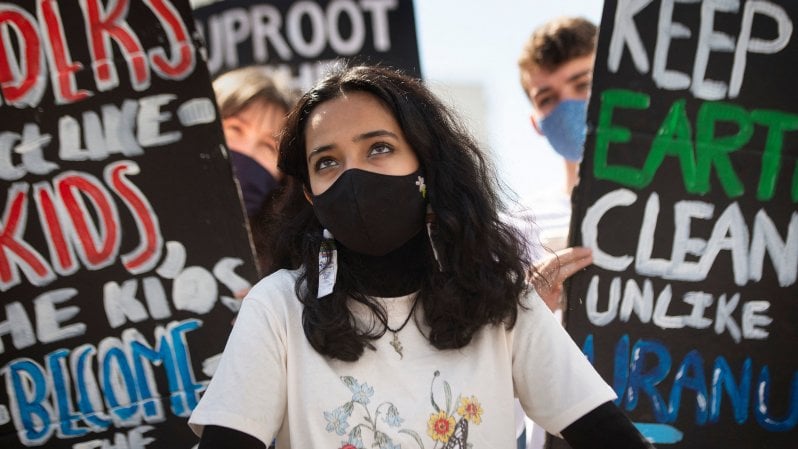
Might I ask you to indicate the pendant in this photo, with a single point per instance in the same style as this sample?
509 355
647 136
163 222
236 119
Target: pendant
397 345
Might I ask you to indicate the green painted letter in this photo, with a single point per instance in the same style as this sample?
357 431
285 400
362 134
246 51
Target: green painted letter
715 150
674 138
777 123
606 133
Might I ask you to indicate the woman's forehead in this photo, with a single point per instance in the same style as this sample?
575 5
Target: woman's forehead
351 113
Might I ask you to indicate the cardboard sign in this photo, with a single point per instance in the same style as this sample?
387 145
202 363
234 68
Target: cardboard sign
122 236
688 198
301 39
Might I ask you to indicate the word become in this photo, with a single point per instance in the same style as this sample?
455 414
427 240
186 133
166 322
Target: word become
697 155
709 40
91 389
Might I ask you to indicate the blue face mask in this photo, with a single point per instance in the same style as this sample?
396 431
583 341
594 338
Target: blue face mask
566 128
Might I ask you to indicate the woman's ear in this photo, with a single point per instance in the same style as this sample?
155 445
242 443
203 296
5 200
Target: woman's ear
308 195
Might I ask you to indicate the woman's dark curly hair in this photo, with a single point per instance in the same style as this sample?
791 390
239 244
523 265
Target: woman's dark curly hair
484 267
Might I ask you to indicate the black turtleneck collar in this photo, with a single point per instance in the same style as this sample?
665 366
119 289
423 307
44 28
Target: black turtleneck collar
397 273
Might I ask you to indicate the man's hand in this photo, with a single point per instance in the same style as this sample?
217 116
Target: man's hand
551 272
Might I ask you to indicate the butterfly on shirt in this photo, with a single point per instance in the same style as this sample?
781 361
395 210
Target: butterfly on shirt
459 439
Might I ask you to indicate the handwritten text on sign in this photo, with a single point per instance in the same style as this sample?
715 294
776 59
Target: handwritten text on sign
105 291
689 205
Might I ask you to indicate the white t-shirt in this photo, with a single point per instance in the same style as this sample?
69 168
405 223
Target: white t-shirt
545 225
272 383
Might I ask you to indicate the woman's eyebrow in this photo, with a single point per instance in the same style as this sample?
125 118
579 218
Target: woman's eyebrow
319 149
375 133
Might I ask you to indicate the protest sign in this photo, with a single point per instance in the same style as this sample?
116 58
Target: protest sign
122 235
300 39
687 196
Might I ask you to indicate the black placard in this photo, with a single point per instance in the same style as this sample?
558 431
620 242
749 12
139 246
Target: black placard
688 198
301 39
122 235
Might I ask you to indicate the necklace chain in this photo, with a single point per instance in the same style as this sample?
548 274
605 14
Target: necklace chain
407 320
395 343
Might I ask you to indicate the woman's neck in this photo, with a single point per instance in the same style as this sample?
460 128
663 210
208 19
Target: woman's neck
397 273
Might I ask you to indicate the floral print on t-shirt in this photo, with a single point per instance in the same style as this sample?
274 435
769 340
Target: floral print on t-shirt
381 423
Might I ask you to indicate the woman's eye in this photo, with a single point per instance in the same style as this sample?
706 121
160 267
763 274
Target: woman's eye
380 148
326 162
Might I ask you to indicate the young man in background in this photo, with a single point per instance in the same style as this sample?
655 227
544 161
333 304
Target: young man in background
556 68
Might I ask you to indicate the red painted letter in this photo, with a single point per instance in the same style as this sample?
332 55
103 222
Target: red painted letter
97 247
147 254
52 219
21 85
13 250
181 47
101 27
62 69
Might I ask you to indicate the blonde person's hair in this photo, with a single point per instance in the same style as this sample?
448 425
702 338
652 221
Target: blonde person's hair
555 43
238 89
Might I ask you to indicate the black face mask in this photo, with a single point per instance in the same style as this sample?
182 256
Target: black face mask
370 213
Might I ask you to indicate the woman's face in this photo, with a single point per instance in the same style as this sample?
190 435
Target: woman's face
354 130
254 131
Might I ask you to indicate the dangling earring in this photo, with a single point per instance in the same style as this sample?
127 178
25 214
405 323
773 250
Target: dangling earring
430 220
431 229
328 265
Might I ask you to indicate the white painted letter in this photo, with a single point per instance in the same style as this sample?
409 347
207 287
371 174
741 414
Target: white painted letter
708 40
753 321
745 43
620 197
625 32
591 305
667 29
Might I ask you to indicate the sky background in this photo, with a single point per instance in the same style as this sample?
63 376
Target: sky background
474 44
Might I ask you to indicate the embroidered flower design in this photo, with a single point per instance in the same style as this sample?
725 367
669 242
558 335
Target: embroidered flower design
392 417
355 440
361 393
440 426
377 424
470 409
336 420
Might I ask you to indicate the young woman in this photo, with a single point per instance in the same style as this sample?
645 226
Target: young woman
408 321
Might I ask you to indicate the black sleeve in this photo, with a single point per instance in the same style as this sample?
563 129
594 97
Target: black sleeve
606 427
216 437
